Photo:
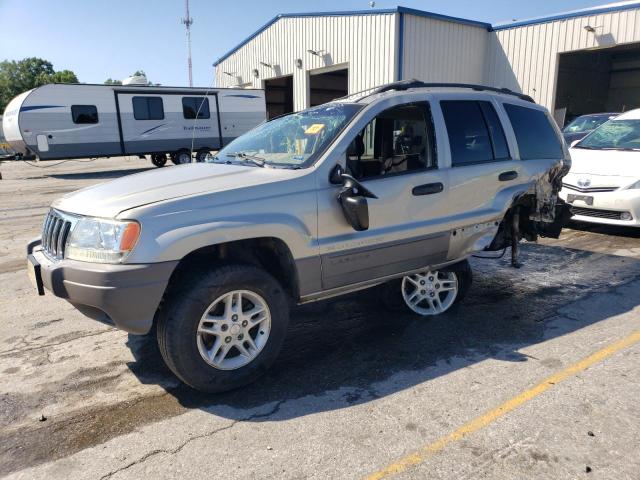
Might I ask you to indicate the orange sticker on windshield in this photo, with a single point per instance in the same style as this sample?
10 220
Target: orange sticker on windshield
314 129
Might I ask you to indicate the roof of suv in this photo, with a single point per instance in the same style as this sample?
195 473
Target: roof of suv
369 95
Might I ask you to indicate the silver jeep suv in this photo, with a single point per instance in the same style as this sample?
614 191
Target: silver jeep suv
393 187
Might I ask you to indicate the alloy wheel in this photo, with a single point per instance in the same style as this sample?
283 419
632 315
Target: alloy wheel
430 292
234 329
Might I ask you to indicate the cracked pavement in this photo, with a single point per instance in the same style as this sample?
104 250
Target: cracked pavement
354 389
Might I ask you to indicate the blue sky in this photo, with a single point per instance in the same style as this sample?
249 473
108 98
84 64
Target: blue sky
99 39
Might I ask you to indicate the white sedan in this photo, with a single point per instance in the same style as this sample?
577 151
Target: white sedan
603 185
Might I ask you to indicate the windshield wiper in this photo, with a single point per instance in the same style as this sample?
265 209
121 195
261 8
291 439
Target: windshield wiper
259 161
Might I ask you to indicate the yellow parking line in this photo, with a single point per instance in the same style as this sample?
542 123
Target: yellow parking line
492 415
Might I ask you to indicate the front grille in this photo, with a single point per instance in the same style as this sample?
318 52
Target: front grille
54 234
592 212
588 189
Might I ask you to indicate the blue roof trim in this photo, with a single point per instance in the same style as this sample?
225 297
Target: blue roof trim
385 11
572 14
446 18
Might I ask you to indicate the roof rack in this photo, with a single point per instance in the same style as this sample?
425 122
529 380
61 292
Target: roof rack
413 83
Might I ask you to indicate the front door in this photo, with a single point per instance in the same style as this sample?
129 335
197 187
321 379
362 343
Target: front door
394 156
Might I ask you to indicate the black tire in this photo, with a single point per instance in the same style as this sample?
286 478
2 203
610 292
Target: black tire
390 295
178 323
181 157
201 155
159 159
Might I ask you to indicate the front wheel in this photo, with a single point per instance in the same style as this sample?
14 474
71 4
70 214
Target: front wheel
224 329
159 159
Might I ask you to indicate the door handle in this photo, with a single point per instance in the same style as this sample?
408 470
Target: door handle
428 189
506 176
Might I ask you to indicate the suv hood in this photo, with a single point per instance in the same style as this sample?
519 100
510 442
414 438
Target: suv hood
616 163
109 199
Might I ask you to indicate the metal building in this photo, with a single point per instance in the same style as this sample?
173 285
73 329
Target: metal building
577 62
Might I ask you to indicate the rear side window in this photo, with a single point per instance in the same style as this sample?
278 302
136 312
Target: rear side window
475 133
84 113
195 106
148 108
498 140
535 136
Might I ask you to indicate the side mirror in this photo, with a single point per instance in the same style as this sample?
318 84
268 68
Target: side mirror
353 200
335 177
574 143
356 211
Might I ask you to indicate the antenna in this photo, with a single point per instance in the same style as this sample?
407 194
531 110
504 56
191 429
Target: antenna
188 21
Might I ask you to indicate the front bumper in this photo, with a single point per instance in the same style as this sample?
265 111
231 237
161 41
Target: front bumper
606 207
126 296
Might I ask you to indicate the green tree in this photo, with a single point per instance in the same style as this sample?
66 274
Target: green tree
19 76
110 81
64 76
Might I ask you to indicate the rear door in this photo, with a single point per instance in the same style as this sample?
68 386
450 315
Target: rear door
482 170
167 122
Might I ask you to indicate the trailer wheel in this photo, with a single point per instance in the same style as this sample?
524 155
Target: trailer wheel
181 157
159 159
201 155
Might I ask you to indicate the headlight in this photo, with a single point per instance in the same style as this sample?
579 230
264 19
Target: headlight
634 185
102 241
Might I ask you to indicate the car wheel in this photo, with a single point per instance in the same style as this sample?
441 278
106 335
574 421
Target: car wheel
201 155
181 157
224 329
430 292
159 159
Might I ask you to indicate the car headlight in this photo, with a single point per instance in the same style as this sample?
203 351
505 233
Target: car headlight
102 241
634 185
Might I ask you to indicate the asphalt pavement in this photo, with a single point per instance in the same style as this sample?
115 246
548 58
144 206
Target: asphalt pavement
533 375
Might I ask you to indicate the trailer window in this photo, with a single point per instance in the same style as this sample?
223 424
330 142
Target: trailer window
148 108
84 113
195 106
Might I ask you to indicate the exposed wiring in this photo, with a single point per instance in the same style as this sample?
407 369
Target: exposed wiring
491 257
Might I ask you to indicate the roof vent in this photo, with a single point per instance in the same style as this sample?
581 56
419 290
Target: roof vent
135 80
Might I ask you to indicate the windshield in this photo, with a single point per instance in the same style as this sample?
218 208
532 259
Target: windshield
586 123
614 135
293 141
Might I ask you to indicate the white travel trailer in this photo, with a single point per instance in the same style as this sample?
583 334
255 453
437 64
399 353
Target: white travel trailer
59 121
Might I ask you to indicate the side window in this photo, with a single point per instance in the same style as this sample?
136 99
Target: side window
536 138
192 106
148 108
399 140
84 113
498 140
474 131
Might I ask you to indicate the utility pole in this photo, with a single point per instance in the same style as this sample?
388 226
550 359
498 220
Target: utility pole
188 21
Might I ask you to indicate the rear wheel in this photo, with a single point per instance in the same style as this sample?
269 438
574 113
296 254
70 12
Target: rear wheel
181 157
430 292
224 329
201 155
159 159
